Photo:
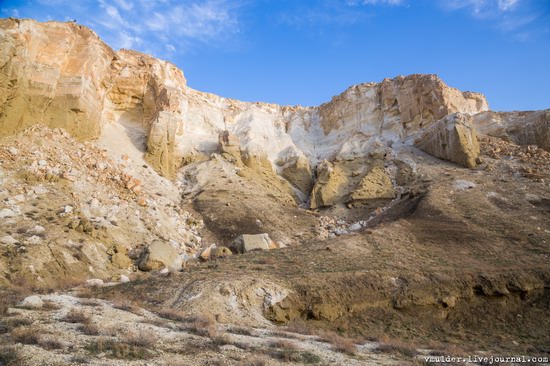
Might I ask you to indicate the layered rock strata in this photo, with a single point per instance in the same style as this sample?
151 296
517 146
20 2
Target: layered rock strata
63 75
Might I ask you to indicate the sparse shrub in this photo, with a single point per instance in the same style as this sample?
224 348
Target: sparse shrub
50 305
11 356
240 330
282 344
285 355
288 355
279 334
256 361
339 343
200 325
49 343
221 340
397 347
81 360
9 297
89 328
90 302
118 349
25 335
310 358
128 306
140 339
12 323
172 314
76 316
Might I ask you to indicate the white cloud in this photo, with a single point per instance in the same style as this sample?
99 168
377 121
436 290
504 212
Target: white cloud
124 4
158 26
378 2
482 8
127 40
506 5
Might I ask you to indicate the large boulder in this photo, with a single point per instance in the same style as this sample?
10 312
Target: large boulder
452 138
298 172
119 256
247 243
158 255
375 185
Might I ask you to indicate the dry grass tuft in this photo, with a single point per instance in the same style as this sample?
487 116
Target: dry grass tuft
240 330
282 344
90 302
89 328
26 335
76 316
221 340
255 361
128 306
11 356
200 325
12 323
118 349
339 343
139 339
50 343
172 314
397 347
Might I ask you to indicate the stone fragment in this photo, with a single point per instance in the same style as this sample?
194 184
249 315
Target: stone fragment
94 282
9 240
160 254
31 302
246 243
7 213
462 184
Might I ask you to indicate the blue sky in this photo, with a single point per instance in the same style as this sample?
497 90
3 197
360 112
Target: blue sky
305 52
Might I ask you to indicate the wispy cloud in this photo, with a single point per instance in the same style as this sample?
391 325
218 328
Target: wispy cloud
160 26
509 16
482 8
334 12
374 2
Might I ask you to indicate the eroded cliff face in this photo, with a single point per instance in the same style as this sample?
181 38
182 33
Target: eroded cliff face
52 73
63 75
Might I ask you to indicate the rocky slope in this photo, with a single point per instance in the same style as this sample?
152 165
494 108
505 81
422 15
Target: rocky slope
404 208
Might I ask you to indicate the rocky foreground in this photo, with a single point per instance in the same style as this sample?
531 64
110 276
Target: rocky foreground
144 222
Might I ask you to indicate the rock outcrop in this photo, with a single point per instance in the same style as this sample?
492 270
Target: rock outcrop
63 75
453 138
523 128
52 73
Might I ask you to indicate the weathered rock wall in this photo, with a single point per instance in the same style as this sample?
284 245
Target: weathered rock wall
63 75
52 73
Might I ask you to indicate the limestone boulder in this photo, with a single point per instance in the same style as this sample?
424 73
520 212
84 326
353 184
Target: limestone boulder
330 185
452 138
375 185
119 256
298 172
32 302
160 254
247 243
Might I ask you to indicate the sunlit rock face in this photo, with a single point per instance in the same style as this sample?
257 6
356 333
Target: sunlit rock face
63 75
